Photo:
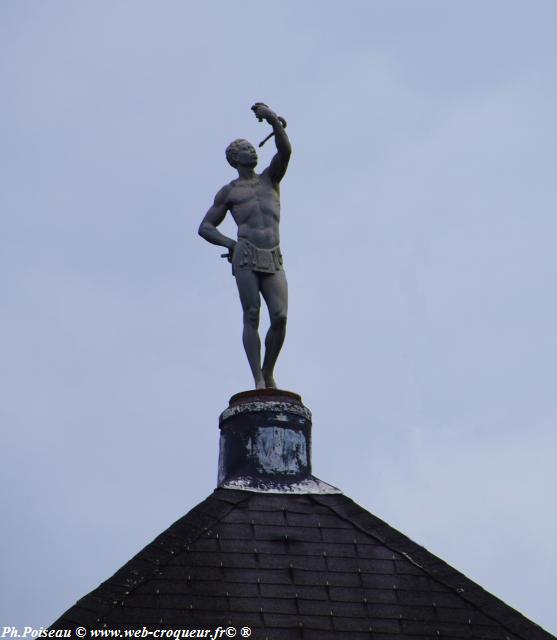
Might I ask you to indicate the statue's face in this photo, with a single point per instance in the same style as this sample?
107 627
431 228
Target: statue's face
246 155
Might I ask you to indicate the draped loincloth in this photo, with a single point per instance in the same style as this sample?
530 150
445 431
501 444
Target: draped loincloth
247 256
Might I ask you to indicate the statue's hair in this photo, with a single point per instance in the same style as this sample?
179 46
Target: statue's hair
232 150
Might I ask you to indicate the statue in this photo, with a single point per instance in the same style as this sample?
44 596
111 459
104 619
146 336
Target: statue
254 201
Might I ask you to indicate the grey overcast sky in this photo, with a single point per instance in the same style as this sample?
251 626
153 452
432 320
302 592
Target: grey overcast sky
419 238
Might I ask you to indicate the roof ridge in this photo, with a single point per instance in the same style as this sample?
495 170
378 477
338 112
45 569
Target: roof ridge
514 626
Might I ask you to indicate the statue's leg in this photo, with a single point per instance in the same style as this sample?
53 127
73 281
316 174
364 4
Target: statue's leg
275 292
248 288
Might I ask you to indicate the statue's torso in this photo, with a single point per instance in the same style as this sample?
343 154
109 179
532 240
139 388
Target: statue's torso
255 207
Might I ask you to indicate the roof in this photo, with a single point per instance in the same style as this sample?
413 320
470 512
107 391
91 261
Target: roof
296 567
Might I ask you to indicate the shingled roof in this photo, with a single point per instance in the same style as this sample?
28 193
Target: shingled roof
289 556
307 567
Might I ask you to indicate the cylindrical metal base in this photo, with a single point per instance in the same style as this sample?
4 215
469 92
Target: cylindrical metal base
265 444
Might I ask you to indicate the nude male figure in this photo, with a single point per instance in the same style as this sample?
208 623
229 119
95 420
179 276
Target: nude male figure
254 202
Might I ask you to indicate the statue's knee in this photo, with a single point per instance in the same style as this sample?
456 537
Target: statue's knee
278 321
251 316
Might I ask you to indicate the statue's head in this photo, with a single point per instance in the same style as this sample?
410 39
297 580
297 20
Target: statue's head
241 152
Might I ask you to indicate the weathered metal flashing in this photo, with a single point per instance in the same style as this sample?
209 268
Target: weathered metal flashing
311 485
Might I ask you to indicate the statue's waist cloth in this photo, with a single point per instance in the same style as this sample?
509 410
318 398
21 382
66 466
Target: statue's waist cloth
249 257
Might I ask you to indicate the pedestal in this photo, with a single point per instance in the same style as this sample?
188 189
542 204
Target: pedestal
265 444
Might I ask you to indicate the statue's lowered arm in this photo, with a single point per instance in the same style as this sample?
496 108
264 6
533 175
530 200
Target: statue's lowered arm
213 217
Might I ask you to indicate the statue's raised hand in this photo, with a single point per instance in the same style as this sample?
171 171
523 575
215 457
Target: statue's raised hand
263 112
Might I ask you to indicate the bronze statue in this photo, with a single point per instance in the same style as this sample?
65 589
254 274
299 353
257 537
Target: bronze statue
254 201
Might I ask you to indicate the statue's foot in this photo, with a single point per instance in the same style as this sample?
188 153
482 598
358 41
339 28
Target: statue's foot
260 383
269 380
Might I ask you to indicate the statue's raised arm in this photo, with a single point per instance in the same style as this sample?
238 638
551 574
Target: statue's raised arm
253 200
279 163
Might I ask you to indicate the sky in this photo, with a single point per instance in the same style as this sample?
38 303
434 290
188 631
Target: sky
418 232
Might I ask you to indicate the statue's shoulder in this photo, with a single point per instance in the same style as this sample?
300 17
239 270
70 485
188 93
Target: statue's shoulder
231 186
224 192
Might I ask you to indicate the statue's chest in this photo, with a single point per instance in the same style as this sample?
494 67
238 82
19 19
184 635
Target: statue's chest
252 193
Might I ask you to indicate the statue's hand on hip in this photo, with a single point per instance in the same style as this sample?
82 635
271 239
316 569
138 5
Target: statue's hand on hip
231 251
